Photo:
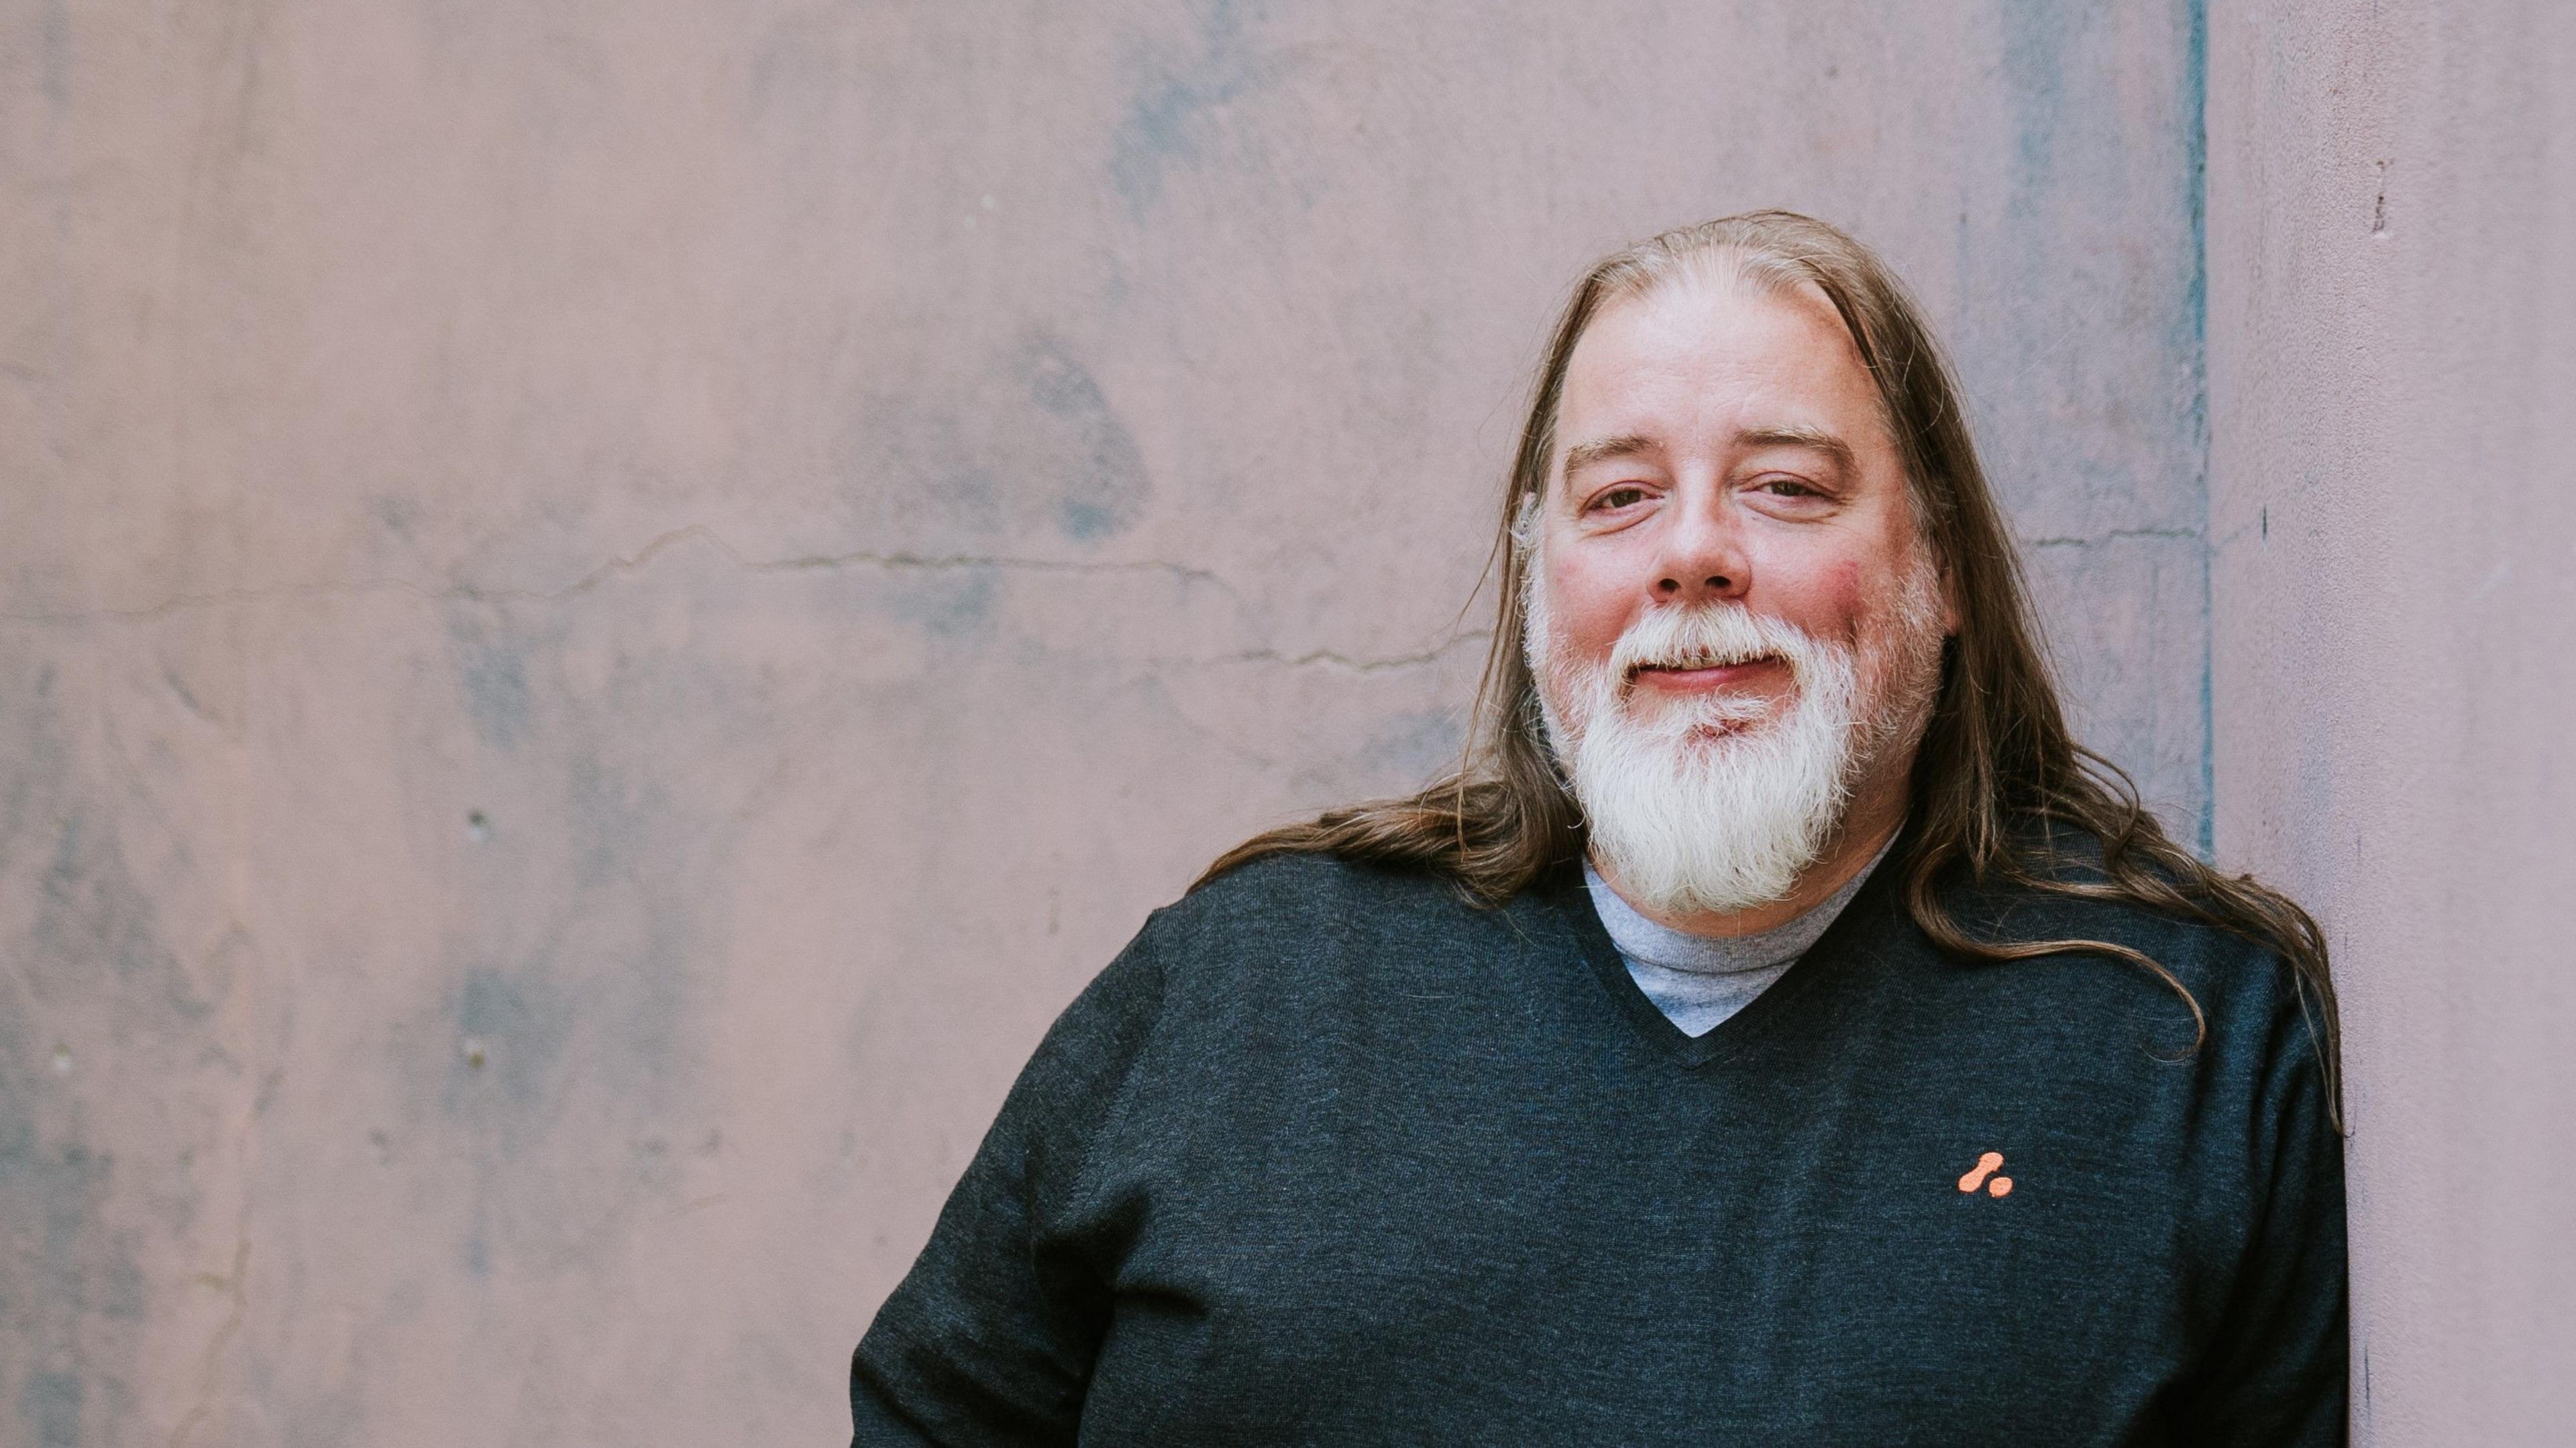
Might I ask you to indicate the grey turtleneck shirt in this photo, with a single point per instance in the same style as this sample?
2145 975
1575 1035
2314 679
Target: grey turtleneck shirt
1700 980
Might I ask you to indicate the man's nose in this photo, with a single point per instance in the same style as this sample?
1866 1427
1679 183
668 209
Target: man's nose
1703 556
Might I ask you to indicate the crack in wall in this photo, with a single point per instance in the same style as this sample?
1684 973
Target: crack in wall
210 1368
644 557
900 559
1354 663
2116 535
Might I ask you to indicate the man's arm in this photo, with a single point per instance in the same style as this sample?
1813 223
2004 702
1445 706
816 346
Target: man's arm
2279 1362
990 1338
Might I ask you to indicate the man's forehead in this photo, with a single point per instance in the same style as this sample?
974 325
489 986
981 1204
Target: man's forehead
1692 365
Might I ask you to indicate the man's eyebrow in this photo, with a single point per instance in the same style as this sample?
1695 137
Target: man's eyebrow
1601 449
1795 436
1584 454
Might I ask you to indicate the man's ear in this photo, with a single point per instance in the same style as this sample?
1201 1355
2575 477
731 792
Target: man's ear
1949 599
1525 521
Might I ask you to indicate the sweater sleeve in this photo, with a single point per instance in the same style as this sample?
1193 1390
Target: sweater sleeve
990 1338
2278 1363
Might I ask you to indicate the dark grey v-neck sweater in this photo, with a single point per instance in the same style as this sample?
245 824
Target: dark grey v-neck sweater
1328 1156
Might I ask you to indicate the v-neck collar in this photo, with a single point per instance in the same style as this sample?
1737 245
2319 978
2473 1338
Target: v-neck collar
1571 902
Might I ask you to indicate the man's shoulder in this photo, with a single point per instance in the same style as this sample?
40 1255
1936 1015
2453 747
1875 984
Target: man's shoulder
1317 899
1291 942
2243 986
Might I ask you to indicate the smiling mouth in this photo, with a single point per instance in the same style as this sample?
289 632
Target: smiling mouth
1714 670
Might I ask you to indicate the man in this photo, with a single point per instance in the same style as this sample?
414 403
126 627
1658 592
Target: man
1778 1031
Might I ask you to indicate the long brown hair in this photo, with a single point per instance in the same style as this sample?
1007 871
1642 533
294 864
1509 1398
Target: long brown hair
2000 790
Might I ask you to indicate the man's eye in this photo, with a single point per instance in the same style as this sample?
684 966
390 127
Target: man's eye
1619 498
1786 488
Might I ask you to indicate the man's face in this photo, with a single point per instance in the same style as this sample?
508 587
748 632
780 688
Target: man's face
1733 614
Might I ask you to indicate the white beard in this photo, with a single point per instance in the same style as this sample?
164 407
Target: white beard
1721 803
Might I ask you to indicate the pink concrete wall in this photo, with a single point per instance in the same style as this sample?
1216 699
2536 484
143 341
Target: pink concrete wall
604 608
2392 354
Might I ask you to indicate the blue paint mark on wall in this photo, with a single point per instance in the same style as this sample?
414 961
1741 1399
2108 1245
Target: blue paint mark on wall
1172 105
57 61
494 673
969 448
948 605
92 912
50 1403
511 1028
2037 38
2119 350
2196 346
1100 481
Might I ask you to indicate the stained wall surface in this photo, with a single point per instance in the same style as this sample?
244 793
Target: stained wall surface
604 608
2392 351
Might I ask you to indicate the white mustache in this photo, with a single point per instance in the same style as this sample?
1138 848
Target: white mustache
1710 635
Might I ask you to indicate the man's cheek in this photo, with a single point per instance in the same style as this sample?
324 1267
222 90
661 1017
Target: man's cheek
1842 606
1589 614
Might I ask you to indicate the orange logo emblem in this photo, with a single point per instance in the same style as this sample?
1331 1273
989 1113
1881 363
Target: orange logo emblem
1984 1176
